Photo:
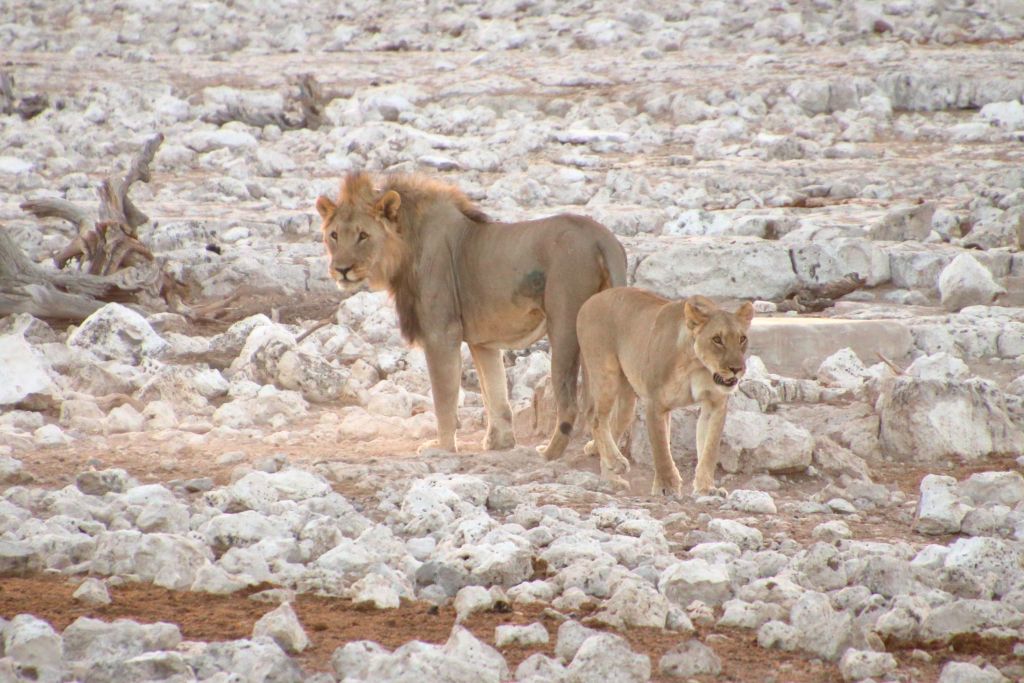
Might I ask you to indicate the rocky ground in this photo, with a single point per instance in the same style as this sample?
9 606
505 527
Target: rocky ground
232 501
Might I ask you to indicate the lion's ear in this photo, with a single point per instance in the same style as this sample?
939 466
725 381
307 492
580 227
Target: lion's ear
389 204
325 207
696 311
745 313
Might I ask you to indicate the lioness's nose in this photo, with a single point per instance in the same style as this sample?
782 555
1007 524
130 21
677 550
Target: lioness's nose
344 271
736 369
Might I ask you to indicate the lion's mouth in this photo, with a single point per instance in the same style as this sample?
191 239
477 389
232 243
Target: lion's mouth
721 381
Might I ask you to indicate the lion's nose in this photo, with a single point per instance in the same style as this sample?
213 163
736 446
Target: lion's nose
344 272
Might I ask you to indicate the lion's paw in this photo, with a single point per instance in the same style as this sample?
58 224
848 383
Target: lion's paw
710 490
615 480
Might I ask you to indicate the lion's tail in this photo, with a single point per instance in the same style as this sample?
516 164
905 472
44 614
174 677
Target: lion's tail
613 262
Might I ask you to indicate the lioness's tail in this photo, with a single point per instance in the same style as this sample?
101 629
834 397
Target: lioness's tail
613 262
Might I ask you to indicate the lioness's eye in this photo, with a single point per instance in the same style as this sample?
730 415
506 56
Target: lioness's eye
717 339
363 236
334 236
743 340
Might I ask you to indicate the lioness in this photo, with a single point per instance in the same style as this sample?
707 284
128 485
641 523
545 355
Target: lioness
673 354
456 277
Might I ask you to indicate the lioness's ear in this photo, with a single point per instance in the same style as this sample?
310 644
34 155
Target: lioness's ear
324 206
745 313
696 311
388 205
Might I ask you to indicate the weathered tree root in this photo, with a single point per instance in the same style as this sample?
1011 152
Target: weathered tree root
311 105
113 265
816 298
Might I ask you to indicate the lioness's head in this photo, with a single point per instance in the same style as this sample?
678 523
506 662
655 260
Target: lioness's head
719 338
361 234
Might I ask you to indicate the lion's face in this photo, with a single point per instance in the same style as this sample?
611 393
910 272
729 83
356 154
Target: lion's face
358 240
720 339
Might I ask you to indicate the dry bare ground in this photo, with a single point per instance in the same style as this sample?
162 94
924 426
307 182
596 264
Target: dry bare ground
209 462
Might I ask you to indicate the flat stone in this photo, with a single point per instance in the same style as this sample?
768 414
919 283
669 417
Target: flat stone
797 346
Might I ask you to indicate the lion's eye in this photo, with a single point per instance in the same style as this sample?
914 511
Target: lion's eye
334 236
363 236
717 339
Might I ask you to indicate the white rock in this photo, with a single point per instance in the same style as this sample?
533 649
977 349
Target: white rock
843 369
465 647
635 603
706 266
25 370
742 614
209 140
991 562
471 599
168 560
690 658
214 580
931 420
33 644
967 617
938 366
1005 114
524 636
857 665
965 672
939 509
92 640
283 626
822 631
757 442
571 635
965 282
248 660
92 592
539 668
831 531
607 657
689 580
747 538
14 166
756 502
354 659
116 332
376 591
778 635
986 488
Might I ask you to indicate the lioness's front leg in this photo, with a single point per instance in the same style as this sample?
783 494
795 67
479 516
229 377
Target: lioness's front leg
445 367
491 369
666 475
709 433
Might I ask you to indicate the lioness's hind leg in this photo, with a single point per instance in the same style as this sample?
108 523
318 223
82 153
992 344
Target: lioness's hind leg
493 383
610 385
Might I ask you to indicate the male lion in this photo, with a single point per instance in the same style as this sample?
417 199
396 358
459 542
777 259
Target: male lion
456 277
673 354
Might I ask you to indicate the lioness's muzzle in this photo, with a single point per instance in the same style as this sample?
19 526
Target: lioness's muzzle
731 382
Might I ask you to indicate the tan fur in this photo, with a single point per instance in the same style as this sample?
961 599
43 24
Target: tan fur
669 353
456 277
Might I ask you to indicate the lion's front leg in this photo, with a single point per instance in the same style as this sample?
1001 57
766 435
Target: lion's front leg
667 481
493 383
709 434
445 367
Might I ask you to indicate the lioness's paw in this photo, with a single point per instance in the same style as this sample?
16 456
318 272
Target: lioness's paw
709 490
499 441
671 487
435 445
590 448
615 480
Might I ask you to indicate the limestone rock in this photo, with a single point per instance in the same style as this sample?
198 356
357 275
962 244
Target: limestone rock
965 282
283 626
690 658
